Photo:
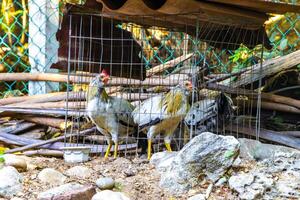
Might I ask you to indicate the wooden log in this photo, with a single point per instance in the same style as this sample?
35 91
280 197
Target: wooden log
9 111
60 105
269 68
51 97
115 81
269 106
265 96
12 100
48 121
172 63
44 152
291 133
269 135
18 127
31 146
20 141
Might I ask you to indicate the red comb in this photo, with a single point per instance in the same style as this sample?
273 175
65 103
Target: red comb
104 72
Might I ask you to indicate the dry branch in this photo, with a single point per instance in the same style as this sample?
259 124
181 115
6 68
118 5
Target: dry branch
172 63
59 105
21 141
269 106
269 67
265 96
44 152
18 127
12 100
51 97
9 111
116 81
31 146
47 121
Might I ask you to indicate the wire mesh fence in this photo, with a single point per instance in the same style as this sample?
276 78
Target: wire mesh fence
146 103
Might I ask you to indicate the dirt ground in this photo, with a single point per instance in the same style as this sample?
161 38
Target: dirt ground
134 177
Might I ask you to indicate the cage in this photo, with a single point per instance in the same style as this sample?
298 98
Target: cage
147 58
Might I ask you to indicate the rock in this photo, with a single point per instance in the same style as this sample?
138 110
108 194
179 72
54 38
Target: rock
162 160
197 197
207 154
239 182
288 185
129 172
105 183
255 150
15 161
51 176
110 195
251 185
70 191
79 172
10 181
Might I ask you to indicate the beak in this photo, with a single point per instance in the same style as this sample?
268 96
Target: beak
106 79
190 87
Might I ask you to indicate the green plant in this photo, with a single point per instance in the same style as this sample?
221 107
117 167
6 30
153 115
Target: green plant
2 150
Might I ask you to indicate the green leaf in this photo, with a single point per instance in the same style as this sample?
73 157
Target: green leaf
229 154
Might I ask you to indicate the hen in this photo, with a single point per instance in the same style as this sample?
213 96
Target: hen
162 113
111 115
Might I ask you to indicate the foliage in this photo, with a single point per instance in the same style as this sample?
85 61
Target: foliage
118 187
2 150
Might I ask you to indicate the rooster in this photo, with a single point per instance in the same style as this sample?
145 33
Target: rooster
111 115
163 113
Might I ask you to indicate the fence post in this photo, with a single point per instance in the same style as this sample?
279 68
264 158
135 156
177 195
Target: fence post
43 46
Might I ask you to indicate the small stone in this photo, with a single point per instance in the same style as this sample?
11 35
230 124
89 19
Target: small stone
70 191
79 172
51 176
129 172
15 161
197 197
105 183
110 195
10 181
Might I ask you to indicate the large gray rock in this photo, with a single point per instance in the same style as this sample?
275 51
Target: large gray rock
255 150
207 155
110 195
10 181
51 176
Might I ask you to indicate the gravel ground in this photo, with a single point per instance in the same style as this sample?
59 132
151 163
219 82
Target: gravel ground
136 178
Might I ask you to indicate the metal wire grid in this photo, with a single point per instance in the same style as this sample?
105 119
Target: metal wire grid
82 40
